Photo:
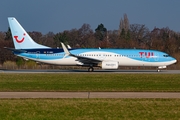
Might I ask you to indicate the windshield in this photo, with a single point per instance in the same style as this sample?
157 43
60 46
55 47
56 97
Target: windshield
166 55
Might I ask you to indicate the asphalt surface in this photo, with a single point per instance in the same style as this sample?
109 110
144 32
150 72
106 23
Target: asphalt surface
96 71
11 95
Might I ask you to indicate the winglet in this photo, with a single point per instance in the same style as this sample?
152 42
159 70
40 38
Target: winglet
67 53
69 47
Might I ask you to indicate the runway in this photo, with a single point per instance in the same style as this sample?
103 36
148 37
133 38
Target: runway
96 71
18 95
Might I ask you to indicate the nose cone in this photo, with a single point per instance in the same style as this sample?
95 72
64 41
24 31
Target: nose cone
173 60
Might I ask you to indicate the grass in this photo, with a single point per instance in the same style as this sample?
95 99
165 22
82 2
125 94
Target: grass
89 109
90 82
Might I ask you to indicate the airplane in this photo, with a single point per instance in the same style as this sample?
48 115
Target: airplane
108 59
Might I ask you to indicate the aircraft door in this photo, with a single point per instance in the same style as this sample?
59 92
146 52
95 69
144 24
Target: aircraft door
156 56
37 54
102 56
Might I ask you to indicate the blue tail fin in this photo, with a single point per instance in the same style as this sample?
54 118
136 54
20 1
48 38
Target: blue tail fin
20 37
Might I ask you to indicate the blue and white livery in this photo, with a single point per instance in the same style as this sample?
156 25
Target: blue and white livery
27 48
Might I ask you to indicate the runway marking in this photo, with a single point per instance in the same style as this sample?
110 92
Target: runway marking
11 95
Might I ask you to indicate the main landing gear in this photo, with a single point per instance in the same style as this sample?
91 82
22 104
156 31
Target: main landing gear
90 69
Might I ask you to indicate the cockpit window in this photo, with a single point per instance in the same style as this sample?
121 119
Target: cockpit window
166 55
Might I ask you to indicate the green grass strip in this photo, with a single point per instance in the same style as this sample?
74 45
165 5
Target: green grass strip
90 82
89 109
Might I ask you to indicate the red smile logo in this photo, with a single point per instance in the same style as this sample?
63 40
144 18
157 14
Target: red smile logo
19 41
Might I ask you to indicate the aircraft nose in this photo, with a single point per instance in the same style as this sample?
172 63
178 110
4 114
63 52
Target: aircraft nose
175 61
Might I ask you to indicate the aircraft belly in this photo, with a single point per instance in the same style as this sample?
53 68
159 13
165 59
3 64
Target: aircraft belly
132 62
63 61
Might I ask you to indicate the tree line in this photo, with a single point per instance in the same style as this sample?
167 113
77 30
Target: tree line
130 36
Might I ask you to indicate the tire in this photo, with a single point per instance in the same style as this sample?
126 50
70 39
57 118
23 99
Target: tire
90 69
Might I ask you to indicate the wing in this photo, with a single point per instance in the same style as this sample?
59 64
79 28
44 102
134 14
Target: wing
87 60
82 59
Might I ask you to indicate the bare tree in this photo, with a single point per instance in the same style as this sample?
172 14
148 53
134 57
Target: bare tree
124 24
85 32
140 33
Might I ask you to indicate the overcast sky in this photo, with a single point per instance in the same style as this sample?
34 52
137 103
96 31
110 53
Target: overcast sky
59 15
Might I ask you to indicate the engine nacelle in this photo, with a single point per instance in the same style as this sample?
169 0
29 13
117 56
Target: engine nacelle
109 65
162 67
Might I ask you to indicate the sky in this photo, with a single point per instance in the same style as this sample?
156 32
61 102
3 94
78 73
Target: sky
58 15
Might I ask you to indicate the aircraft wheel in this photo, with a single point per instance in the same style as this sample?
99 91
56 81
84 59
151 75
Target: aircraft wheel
158 70
90 69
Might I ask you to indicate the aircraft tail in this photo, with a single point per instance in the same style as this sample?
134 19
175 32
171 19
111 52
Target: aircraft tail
21 39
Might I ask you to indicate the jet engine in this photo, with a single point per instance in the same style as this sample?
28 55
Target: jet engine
109 65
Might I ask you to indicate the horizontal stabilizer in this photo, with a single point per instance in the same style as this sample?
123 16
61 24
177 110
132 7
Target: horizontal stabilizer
16 50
